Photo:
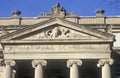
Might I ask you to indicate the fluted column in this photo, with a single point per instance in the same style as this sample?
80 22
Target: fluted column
105 64
73 65
8 70
38 65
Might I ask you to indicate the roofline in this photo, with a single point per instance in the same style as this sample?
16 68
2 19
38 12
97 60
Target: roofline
37 17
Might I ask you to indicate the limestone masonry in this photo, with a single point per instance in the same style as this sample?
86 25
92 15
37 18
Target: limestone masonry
60 45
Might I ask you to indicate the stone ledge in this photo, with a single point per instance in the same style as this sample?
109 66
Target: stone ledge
73 55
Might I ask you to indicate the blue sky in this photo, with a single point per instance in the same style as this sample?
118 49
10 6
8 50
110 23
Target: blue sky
32 8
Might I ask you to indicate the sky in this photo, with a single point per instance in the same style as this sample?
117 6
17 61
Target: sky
33 8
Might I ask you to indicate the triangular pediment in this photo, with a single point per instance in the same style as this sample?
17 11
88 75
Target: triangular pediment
57 28
56 31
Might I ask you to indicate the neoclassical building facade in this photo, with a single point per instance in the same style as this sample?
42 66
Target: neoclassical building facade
60 45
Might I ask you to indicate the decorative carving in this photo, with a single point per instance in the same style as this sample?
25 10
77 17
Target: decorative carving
16 13
58 11
36 62
10 62
72 14
104 61
71 62
56 48
108 29
43 14
56 32
100 12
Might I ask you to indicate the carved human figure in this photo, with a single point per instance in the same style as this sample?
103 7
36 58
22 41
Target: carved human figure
55 32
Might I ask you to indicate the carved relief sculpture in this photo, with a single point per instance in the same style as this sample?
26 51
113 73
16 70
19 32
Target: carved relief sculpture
57 11
56 32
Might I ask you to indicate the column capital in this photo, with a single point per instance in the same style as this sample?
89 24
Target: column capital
10 62
71 62
101 62
41 62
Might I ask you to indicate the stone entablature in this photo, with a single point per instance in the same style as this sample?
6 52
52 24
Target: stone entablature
56 48
57 51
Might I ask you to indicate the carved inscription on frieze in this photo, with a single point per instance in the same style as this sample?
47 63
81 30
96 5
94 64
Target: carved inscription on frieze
55 48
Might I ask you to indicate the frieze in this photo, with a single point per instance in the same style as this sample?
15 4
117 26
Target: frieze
55 48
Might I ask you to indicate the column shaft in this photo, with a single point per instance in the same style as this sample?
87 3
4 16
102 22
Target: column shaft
8 72
74 72
105 64
38 65
73 65
106 73
38 71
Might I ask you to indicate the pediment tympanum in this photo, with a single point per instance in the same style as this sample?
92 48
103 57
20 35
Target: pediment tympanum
55 29
57 32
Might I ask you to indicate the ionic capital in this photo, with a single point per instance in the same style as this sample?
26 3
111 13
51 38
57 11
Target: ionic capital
41 62
71 62
101 62
10 62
